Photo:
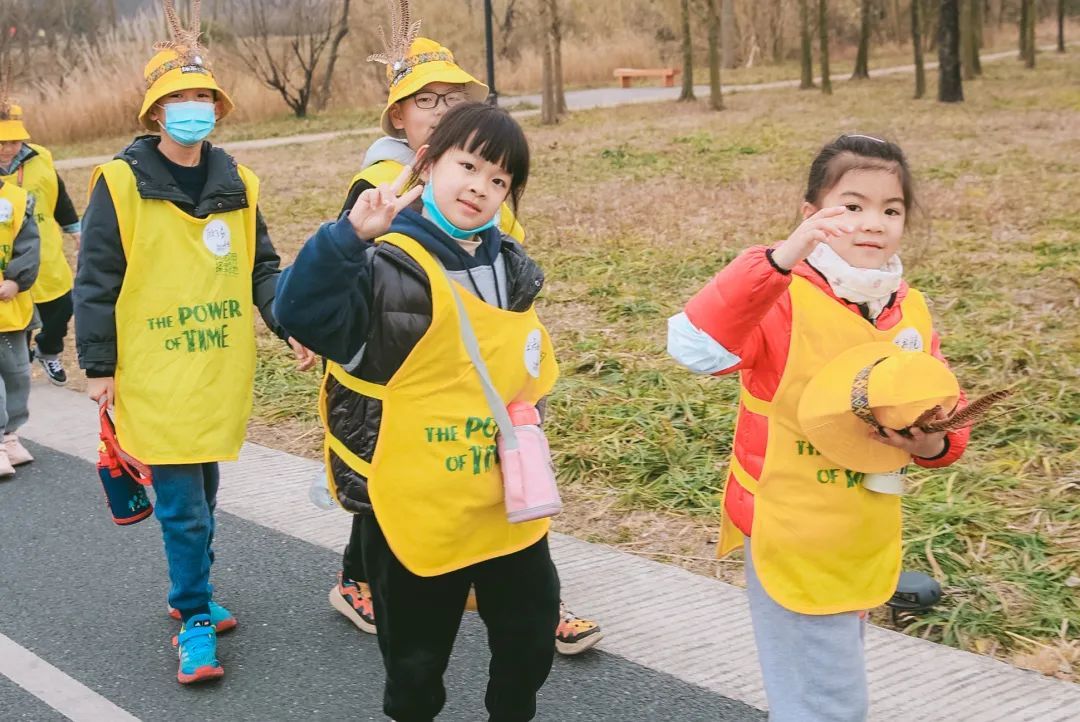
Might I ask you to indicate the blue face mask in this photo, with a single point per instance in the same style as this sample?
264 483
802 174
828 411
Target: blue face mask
444 224
189 122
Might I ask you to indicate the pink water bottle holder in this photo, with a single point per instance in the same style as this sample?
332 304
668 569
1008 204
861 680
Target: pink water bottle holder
529 485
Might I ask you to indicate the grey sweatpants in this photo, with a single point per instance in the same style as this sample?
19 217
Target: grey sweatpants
813 665
14 381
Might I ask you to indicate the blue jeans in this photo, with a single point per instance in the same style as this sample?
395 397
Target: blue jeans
185 497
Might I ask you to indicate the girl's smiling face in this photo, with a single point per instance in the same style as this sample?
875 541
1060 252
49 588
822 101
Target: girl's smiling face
468 189
874 199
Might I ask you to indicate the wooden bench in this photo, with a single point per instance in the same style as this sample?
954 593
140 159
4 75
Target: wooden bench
625 74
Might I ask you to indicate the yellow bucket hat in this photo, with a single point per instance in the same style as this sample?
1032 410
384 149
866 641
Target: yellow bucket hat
426 62
179 64
870 386
11 124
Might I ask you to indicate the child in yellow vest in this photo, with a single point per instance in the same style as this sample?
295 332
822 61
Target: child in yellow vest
405 411
415 104
19 260
174 253
777 316
31 167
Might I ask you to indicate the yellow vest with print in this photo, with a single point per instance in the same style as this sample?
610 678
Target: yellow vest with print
387 171
38 177
15 315
184 325
822 544
434 479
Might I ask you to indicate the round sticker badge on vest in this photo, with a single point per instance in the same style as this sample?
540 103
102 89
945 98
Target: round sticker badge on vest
217 237
6 210
532 353
909 339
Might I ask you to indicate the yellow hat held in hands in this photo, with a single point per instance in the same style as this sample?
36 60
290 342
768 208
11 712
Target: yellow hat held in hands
11 124
870 386
179 64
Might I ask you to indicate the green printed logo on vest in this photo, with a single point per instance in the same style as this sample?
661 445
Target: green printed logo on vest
833 476
5 256
197 328
479 456
805 448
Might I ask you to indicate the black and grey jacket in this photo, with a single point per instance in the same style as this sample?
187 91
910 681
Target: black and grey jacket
102 263
366 306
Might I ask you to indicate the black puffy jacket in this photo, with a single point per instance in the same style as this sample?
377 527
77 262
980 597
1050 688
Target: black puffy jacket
346 298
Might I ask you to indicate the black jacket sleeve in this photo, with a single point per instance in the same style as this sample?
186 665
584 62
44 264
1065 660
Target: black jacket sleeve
64 213
357 188
25 252
264 276
324 299
98 279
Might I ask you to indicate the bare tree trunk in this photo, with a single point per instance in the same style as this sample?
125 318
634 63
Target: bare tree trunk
716 99
323 96
916 42
1033 20
862 59
687 55
1061 25
967 39
977 22
950 83
549 114
727 31
807 51
823 36
556 58
1025 8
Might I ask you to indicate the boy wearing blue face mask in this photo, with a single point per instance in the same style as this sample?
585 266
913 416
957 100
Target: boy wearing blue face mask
174 254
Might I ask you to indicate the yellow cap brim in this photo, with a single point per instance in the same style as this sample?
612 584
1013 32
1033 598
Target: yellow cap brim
13 130
432 72
175 81
826 418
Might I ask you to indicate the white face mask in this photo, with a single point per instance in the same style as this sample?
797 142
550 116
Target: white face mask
871 286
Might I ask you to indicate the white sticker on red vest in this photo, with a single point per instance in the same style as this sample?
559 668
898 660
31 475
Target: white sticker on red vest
6 210
217 237
909 339
532 353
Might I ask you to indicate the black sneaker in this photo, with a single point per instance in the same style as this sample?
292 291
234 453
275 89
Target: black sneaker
54 369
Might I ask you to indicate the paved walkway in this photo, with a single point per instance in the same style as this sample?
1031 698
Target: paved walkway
691 628
575 100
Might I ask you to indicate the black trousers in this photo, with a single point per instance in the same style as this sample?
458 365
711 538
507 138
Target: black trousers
352 562
418 618
55 316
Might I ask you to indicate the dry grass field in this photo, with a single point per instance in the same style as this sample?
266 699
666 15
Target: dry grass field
632 210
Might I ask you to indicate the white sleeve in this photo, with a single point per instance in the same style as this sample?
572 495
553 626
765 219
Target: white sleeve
695 349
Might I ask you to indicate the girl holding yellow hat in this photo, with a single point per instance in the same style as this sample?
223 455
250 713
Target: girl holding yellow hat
174 254
424 84
30 166
838 358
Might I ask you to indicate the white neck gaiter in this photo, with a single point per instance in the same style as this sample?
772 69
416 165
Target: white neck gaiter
871 286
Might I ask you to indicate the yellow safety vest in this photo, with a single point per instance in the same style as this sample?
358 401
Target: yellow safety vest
434 479
38 177
184 325
15 315
387 171
821 543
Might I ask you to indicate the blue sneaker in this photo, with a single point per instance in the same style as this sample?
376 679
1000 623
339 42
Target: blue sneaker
221 617
198 651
